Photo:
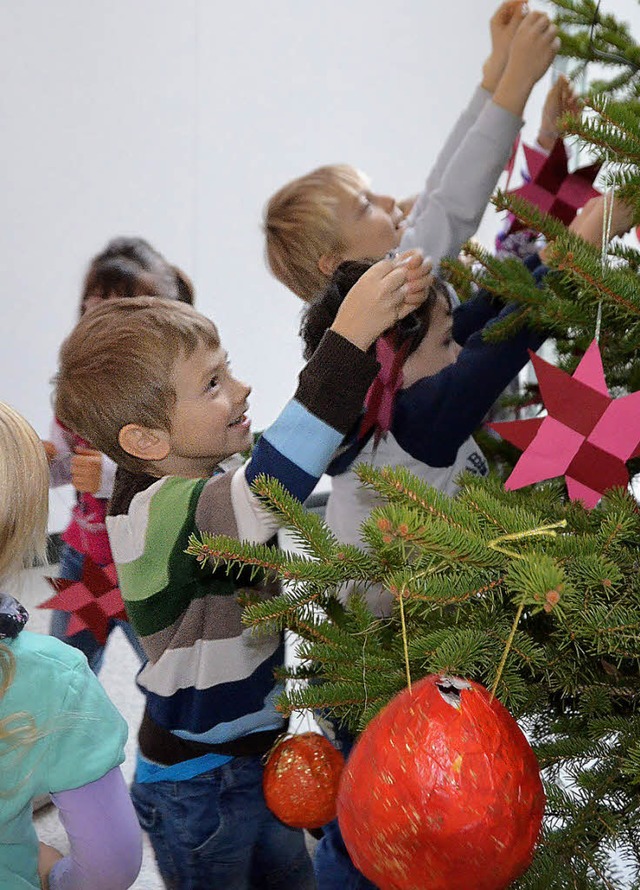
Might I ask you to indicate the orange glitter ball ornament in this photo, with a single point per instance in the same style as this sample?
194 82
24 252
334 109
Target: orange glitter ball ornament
301 778
441 791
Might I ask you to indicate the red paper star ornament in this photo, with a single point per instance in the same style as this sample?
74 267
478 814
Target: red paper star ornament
92 601
552 188
587 436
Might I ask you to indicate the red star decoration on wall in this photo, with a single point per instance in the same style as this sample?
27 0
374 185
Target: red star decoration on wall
587 436
92 601
552 188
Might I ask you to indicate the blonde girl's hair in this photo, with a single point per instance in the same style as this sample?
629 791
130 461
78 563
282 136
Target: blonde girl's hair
24 497
24 494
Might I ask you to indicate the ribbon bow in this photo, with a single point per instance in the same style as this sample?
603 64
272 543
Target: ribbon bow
378 406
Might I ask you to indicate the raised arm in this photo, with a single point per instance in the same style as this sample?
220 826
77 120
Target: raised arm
297 448
451 404
437 414
503 25
444 218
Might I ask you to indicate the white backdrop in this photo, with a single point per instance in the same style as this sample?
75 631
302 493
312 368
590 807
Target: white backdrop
176 120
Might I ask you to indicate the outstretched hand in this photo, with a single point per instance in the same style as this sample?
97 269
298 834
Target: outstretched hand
533 49
560 100
86 470
387 292
590 222
503 25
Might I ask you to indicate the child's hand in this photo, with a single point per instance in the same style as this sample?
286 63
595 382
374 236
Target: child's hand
589 223
86 470
533 49
406 204
387 292
560 100
504 24
49 449
47 858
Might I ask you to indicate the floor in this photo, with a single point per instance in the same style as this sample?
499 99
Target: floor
117 675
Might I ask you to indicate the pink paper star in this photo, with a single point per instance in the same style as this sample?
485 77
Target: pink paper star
92 601
587 436
552 188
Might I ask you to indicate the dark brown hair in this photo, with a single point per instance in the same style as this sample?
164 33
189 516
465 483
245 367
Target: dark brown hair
131 267
321 312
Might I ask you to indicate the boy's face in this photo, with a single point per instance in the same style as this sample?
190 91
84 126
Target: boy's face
370 225
437 350
209 417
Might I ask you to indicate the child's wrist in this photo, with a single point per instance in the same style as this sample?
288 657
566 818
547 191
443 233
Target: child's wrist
547 138
513 91
359 339
491 73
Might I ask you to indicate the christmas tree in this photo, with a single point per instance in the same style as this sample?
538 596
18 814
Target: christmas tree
526 592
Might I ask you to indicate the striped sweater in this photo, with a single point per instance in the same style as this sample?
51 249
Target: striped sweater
208 679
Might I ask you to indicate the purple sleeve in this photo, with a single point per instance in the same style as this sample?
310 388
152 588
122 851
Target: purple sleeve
105 838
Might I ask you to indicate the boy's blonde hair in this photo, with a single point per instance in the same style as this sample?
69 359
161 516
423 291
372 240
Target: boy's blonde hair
24 494
117 365
300 224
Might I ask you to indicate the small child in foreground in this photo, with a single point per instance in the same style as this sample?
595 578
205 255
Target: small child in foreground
149 384
59 733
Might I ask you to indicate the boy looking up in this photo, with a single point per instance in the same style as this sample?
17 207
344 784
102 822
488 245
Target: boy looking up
148 383
330 215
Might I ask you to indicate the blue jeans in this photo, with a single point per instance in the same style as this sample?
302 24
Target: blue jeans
332 864
71 562
215 831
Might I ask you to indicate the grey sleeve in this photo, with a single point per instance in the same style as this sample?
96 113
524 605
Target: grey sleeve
460 129
443 219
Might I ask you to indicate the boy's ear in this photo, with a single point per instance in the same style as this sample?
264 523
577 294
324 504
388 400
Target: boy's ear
328 263
144 443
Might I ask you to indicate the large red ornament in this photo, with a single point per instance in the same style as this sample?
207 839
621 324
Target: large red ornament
441 792
301 779
552 188
587 436
92 601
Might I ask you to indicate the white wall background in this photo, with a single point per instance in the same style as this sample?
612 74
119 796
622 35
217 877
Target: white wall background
176 120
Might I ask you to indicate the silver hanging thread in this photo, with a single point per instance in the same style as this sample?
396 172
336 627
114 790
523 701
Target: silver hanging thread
607 222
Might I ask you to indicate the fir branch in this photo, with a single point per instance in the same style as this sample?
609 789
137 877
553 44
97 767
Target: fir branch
307 528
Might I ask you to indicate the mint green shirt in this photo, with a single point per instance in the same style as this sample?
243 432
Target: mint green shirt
81 737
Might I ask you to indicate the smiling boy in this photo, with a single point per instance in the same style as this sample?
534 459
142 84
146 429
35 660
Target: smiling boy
149 384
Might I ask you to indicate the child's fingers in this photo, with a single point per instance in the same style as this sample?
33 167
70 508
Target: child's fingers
86 470
49 449
416 291
509 11
408 306
516 12
410 258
